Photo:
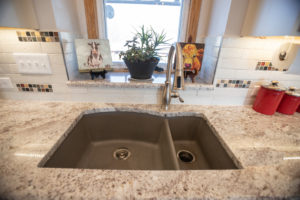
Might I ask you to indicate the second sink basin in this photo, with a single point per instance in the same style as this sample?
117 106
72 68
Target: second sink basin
139 141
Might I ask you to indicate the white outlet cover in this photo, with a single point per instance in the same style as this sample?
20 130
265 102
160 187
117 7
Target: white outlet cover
5 82
33 63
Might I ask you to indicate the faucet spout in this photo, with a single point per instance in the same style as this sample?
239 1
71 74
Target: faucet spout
178 82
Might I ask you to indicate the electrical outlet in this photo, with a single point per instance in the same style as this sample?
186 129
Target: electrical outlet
33 63
5 82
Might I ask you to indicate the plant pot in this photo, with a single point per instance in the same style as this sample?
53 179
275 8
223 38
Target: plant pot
141 70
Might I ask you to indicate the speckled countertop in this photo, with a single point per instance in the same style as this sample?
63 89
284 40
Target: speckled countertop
28 130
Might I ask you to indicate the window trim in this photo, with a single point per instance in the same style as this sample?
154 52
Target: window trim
183 24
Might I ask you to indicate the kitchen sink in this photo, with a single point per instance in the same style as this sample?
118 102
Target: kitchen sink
139 141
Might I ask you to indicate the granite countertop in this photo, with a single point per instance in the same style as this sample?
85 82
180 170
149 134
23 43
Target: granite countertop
266 146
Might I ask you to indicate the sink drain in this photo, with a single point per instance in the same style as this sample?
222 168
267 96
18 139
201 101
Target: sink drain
185 156
121 154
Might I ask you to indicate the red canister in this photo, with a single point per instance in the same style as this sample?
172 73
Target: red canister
290 102
268 98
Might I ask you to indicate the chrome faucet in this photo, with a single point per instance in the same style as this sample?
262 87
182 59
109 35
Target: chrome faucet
178 82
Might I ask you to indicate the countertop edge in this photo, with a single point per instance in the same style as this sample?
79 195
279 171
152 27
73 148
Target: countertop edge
134 84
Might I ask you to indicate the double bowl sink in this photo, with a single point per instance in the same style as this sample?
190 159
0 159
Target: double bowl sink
140 141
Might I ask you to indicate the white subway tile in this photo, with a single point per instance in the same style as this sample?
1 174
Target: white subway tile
4 69
9 69
284 76
59 78
291 83
8 36
14 68
7 58
231 92
232 52
21 47
226 73
56 59
51 47
244 42
228 101
81 90
253 74
236 63
258 54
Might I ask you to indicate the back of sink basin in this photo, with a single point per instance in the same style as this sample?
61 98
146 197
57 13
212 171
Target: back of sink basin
96 138
196 136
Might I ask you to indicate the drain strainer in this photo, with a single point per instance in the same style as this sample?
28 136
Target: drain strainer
121 154
186 156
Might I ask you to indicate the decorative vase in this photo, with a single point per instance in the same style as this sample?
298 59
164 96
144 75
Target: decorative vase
141 70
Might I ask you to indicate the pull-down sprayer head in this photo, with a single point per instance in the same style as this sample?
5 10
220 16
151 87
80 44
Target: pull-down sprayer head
179 72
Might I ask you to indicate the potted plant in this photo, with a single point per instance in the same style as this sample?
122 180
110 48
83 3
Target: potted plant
142 57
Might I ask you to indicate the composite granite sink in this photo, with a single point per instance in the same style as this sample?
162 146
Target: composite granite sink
139 141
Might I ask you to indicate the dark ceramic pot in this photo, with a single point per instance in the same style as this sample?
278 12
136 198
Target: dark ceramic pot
141 70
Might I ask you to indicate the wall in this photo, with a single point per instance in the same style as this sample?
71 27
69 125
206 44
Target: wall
66 10
263 17
204 18
238 60
211 28
59 15
210 58
44 14
14 13
10 44
218 18
236 17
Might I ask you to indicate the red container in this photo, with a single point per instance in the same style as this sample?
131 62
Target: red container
289 103
268 98
298 110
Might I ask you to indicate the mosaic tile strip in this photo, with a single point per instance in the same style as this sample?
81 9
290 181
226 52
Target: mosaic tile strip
266 66
233 83
36 36
27 87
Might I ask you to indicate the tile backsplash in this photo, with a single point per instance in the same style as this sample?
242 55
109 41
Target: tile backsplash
249 58
243 65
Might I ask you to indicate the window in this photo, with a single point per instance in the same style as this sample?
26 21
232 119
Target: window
122 17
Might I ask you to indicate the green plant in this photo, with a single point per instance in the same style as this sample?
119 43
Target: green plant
144 46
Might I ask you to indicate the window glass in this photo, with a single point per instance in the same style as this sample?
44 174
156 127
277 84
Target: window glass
123 17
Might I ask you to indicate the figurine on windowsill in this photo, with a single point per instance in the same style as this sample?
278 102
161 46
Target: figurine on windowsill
97 74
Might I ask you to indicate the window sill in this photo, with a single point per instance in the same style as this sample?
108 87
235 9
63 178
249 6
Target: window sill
122 80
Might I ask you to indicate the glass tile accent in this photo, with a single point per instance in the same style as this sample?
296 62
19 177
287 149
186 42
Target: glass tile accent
36 36
28 87
224 83
266 66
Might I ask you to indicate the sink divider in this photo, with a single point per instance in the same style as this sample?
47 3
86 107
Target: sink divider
169 152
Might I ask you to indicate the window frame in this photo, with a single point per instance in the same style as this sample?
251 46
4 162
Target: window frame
183 26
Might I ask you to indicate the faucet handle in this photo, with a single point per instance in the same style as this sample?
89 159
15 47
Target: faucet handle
181 99
176 95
